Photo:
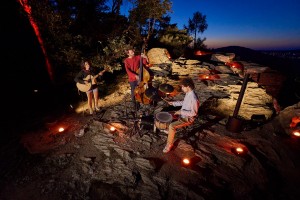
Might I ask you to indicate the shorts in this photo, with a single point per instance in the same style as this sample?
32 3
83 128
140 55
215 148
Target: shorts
93 89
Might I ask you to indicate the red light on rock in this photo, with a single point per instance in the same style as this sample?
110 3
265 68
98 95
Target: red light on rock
240 151
236 67
201 53
296 133
112 129
168 55
185 161
209 77
295 121
61 129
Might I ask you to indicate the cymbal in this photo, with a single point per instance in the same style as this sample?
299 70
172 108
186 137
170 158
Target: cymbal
151 93
166 88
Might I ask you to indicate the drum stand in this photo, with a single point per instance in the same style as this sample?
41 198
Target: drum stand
135 129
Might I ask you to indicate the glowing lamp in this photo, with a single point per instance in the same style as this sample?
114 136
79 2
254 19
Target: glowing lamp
112 129
201 53
296 133
209 77
240 151
185 161
61 129
235 66
168 55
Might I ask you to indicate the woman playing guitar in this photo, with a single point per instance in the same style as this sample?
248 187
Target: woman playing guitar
86 82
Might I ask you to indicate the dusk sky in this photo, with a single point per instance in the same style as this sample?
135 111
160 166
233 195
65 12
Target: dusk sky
255 24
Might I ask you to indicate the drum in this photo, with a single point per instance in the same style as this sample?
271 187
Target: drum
165 89
163 120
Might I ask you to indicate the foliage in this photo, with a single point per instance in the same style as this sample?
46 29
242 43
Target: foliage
195 25
113 53
175 39
116 5
75 29
146 15
71 31
200 44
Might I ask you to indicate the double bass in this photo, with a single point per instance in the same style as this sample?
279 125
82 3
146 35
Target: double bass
143 83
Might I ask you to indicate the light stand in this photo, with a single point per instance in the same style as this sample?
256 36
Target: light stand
135 129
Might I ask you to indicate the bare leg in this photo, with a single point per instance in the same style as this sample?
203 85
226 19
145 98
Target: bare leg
96 98
90 101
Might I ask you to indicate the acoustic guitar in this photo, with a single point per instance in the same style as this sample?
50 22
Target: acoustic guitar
87 86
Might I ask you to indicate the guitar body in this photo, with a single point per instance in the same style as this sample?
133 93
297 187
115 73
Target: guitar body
86 87
93 81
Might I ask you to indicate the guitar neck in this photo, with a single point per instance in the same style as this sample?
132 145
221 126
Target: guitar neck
96 76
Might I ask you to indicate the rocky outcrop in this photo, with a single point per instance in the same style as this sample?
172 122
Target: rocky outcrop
91 161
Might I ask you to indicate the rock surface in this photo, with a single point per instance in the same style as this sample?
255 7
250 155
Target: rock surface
89 161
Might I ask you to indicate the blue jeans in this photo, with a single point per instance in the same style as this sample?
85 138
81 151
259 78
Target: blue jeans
133 85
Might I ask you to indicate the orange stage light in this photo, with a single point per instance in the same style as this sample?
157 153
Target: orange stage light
185 161
112 129
240 151
296 133
61 129
212 77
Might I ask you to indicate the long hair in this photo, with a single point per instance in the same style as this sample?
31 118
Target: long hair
82 64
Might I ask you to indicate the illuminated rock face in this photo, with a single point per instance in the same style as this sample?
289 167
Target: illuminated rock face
221 82
128 163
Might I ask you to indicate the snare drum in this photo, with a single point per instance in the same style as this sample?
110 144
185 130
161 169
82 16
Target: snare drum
163 120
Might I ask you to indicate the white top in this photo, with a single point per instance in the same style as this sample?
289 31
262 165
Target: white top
190 105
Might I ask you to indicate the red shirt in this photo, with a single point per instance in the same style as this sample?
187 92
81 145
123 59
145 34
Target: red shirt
132 65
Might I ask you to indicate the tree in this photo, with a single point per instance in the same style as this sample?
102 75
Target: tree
197 24
174 40
146 13
71 30
116 5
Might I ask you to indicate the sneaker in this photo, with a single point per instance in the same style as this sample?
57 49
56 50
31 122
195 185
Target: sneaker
97 109
91 112
168 148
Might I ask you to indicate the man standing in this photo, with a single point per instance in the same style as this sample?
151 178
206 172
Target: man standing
187 113
132 64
